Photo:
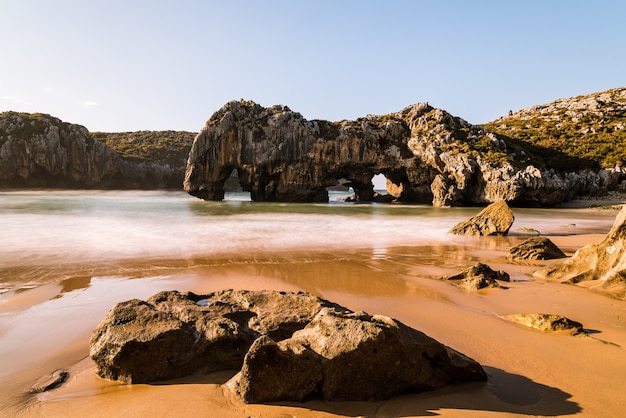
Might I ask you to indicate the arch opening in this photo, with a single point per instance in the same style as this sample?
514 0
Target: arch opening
233 189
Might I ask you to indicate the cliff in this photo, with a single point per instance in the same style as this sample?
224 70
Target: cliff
166 149
39 150
426 154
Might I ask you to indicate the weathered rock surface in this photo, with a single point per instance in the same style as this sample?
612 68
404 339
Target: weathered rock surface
495 219
38 150
289 346
601 266
426 154
479 276
536 248
350 356
173 335
546 322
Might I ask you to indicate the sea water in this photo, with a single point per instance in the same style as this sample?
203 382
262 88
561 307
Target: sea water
42 230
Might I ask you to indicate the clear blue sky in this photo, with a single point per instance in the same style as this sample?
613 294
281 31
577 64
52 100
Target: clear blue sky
125 65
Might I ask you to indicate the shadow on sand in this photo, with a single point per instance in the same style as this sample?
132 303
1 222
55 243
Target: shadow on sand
504 392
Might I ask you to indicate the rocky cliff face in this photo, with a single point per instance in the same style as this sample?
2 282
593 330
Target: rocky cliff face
38 150
426 154
167 150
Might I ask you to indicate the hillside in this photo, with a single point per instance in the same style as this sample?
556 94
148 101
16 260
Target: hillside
568 134
160 147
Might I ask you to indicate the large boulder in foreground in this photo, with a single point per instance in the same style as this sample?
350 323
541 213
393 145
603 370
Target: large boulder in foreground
347 356
288 346
600 266
175 334
536 248
495 219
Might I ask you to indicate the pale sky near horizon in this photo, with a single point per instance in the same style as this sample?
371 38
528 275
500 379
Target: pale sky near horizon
127 65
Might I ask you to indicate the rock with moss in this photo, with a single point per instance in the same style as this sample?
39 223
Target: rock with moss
41 151
426 154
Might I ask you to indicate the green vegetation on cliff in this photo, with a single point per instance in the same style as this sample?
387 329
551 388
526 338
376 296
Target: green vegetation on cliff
582 132
160 147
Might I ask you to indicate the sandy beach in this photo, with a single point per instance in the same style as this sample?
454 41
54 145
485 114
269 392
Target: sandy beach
530 372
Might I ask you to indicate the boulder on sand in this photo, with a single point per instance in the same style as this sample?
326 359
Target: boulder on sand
287 346
600 266
495 219
479 276
342 355
536 248
546 322
176 334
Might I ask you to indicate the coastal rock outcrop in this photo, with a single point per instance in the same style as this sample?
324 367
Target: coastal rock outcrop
600 266
38 150
536 248
546 322
176 334
426 154
495 219
287 346
479 276
348 356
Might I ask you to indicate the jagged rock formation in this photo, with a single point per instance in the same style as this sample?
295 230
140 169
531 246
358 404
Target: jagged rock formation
495 219
289 346
426 154
38 150
347 356
479 276
600 266
536 248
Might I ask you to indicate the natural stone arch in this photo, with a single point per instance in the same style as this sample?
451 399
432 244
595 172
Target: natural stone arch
282 157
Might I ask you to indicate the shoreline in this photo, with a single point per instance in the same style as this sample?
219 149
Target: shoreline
560 374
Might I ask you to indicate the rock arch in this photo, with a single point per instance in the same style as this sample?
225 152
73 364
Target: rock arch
426 155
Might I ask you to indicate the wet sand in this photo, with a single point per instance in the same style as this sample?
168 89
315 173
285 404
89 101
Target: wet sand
530 373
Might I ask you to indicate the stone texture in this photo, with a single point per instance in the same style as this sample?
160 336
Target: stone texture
495 219
600 266
173 335
288 346
546 322
479 276
536 248
38 150
425 153
347 356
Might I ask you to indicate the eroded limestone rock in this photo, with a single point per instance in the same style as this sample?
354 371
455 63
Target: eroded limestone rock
601 266
179 334
288 346
495 219
536 248
546 322
479 276
344 356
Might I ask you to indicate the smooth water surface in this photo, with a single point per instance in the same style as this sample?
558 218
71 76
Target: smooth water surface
41 230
